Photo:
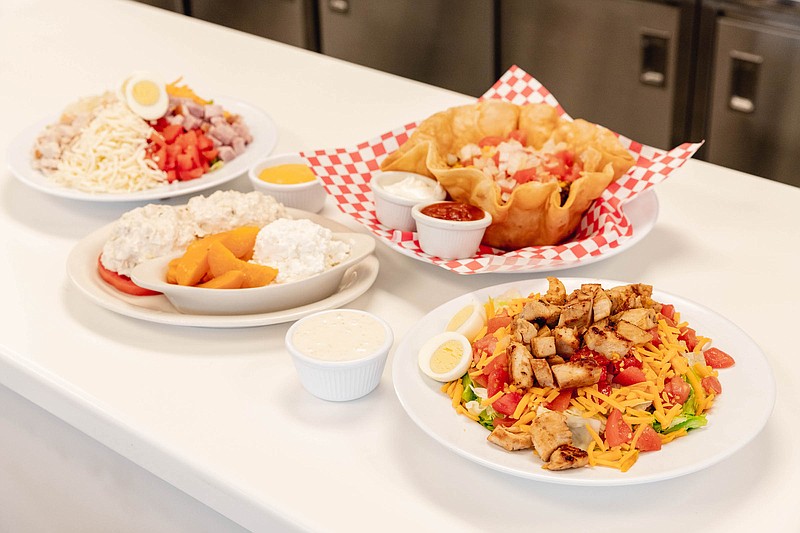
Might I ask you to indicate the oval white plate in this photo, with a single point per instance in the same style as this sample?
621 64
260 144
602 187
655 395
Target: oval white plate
263 129
737 417
82 270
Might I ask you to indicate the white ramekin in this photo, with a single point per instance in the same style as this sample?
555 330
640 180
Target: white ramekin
449 239
309 196
340 381
392 210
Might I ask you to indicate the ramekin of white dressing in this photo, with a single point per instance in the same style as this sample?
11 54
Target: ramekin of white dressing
397 192
339 354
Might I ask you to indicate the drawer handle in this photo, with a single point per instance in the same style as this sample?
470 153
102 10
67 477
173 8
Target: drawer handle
655 57
744 81
339 6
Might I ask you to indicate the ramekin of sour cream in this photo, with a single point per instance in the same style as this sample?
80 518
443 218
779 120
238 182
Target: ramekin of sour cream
339 354
397 192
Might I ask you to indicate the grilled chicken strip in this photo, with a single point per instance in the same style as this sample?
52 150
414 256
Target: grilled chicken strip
549 431
565 457
578 373
542 373
520 369
556 292
511 438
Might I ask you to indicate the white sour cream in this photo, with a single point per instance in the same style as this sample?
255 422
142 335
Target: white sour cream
339 335
416 188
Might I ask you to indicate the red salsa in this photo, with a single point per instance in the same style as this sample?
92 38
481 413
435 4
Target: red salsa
453 211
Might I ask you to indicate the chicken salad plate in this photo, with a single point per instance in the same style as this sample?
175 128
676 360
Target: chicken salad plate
583 381
199 169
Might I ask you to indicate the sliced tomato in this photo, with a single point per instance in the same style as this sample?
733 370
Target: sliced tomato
501 361
484 345
519 136
507 403
481 380
688 336
503 421
497 381
491 140
630 376
716 358
677 390
561 402
668 311
122 283
656 340
711 384
648 441
525 175
617 430
497 322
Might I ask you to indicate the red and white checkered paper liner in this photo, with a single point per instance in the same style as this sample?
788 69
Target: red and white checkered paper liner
346 173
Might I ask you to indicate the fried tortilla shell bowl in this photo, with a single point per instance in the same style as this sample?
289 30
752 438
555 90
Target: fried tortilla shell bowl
534 215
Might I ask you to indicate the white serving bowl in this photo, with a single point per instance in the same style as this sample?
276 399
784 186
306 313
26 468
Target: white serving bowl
393 210
275 297
346 380
309 196
449 239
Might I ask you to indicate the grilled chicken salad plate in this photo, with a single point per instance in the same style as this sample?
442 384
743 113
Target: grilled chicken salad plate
542 420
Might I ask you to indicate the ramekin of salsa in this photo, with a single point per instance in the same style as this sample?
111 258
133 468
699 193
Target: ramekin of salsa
450 230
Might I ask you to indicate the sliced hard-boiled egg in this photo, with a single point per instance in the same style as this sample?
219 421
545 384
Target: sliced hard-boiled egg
146 95
446 356
469 320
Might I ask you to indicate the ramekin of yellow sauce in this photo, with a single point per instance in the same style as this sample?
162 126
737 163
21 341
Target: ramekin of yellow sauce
290 180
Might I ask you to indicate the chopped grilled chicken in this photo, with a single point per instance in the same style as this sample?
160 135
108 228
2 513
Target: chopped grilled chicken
633 333
642 317
601 307
550 430
556 292
543 346
555 360
606 341
565 457
542 372
567 343
578 373
576 314
541 312
622 298
520 369
544 331
511 438
522 330
589 290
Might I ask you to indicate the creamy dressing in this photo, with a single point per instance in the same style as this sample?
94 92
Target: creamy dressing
339 336
416 188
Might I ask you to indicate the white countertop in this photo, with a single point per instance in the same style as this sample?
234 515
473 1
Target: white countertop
220 415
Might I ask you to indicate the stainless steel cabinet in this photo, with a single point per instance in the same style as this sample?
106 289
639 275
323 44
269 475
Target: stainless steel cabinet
621 63
754 122
449 43
288 21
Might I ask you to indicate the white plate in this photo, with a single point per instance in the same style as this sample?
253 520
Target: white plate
642 212
82 270
737 417
263 129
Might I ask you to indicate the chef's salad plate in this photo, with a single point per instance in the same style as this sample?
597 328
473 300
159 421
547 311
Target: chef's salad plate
737 416
82 270
262 128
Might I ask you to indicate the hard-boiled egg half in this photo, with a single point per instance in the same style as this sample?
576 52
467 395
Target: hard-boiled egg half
469 320
446 356
146 95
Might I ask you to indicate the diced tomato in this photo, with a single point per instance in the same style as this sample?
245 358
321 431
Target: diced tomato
160 157
677 390
490 141
497 322
172 175
507 403
689 336
627 361
716 358
617 430
185 175
122 283
158 140
648 441
194 153
668 311
525 175
497 380
204 143
481 380
519 136
188 139
171 132
503 421
484 345
711 384
630 376
501 361
656 340
603 386
560 402
210 154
